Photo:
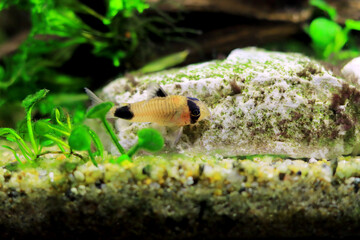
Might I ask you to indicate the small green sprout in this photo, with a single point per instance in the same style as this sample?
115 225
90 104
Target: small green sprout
11 135
48 132
149 139
99 111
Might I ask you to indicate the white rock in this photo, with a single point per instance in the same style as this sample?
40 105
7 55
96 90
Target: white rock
351 71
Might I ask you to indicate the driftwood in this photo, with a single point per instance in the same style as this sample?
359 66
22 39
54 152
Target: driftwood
13 44
291 11
222 41
295 11
347 9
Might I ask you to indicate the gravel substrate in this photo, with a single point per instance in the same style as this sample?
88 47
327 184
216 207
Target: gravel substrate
182 197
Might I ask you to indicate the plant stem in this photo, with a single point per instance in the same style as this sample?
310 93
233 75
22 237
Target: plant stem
15 154
92 158
56 140
61 148
86 9
112 135
25 150
59 152
30 130
98 144
17 158
68 121
133 150
59 131
57 116
22 145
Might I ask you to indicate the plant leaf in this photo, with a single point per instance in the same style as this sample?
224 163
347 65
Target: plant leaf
30 100
150 139
42 127
323 33
321 4
165 62
8 131
14 152
100 110
7 3
2 73
80 139
97 142
11 133
352 24
2 101
46 142
116 6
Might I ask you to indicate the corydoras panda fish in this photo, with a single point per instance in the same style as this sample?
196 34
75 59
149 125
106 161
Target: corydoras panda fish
163 109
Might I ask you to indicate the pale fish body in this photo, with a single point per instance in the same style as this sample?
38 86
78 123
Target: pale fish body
163 109
172 110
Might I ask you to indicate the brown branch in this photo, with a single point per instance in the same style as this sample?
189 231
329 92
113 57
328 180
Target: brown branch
60 152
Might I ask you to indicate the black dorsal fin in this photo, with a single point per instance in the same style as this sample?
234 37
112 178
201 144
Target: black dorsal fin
160 92
155 90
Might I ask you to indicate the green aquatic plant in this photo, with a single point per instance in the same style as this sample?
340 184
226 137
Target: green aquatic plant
47 132
328 37
32 153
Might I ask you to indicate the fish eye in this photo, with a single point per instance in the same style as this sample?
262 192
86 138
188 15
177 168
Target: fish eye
195 112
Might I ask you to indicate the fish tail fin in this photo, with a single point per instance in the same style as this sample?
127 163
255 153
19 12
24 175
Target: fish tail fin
95 100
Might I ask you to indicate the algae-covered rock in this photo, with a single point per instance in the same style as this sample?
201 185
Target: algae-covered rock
261 102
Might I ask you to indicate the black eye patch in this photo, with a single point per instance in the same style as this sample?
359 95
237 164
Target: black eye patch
194 111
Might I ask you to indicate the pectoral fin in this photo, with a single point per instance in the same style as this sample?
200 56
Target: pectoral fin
178 135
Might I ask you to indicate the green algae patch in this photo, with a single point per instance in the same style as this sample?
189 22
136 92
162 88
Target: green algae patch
208 196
